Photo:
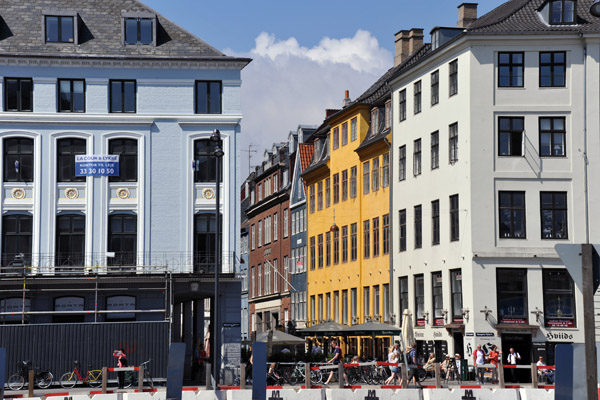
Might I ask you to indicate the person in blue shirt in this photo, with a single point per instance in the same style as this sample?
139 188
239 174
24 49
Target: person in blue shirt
336 359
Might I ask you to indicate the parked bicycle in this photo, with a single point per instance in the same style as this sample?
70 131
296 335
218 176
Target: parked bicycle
93 377
131 377
42 378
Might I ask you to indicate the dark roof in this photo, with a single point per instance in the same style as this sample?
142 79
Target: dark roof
21 32
521 16
370 139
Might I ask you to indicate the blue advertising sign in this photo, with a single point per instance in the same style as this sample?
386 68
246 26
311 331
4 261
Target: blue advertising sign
90 165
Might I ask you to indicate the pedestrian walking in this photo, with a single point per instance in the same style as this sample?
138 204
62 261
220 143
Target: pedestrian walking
336 359
393 359
512 359
412 367
493 358
479 361
121 363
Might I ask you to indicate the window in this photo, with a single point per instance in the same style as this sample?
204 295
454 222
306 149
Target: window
366 185
385 171
562 11
344 133
354 304
403 289
552 137
511 288
420 300
71 95
70 240
336 188
60 29
139 31
17 230
206 163
312 309
122 239
366 239
386 234
388 114
454 227
402 105
127 149
417 96
286 218
345 185
336 306
320 241
18 160
208 97
353 242
552 69
417 157
375 237
260 233
375 126
275 226
336 247
510 69
336 137
512 215
18 94
253 233
122 96
328 306
386 302
328 248
453 78
353 188
260 278
67 149
553 206
402 229
345 243
320 297
559 298
435 150
205 237
375 175
376 301
366 301
276 276
510 136
418 227
435 222
312 253
456 293
327 192
353 129
345 307
402 163
438 298
453 143
320 195
312 199
435 87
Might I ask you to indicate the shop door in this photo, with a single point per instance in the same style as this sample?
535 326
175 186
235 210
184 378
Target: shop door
522 345
459 344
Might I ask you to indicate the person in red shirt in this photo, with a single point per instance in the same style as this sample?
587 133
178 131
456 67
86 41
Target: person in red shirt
492 357
121 363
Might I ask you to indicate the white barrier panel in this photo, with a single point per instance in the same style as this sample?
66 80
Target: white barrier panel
311 394
219 395
468 394
537 394
245 394
373 394
107 396
281 394
30 398
339 394
188 395
74 397
408 394
136 396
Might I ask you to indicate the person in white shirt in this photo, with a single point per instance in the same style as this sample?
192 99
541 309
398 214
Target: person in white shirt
512 359
545 373
479 360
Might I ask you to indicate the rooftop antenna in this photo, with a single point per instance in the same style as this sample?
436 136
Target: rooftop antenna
250 151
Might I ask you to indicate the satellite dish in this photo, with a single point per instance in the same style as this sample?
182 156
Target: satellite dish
595 8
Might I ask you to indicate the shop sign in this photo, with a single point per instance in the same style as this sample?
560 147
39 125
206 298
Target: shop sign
97 165
484 334
469 334
420 322
560 323
559 336
458 320
514 321
439 322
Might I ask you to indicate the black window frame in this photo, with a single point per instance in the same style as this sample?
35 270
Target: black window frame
375 227
345 185
327 248
418 216
123 96
515 134
435 87
553 65
417 90
60 28
561 20
403 298
366 175
67 158
320 251
506 281
26 160
555 208
453 143
312 253
128 159
345 133
402 230
345 243
138 39
385 170
71 108
552 132
19 239
454 218
353 182
205 233
123 242
456 295
19 94
402 105
336 188
336 138
205 161
512 208
366 239
375 174
435 150
417 157
336 246
452 78
419 281
437 296
511 66
435 222
209 101
385 229
402 163
72 258
557 318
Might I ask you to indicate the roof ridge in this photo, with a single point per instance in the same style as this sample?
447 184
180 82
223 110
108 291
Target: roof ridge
504 18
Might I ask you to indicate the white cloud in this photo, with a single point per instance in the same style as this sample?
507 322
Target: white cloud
288 84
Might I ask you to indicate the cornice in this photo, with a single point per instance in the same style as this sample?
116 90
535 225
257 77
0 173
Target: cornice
116 119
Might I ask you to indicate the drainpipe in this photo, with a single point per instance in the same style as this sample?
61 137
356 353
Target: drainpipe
585 157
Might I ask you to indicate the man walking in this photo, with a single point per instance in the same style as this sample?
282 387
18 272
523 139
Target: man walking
337 358
512 359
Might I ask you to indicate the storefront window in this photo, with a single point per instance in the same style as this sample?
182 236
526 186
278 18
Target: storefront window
512 295
559 298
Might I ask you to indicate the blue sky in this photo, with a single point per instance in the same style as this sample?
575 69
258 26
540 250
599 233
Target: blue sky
305 53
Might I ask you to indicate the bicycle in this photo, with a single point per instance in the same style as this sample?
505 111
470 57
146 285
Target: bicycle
294 373
130 377
42 378
93 377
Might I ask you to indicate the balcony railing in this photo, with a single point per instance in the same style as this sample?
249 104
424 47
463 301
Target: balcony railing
114 263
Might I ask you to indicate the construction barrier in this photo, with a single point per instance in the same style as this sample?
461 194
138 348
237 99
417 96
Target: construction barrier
479 394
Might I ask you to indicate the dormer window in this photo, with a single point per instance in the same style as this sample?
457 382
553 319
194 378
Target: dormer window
139 29
59 29
562 12
374 121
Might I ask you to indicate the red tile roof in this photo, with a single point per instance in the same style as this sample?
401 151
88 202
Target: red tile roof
306 154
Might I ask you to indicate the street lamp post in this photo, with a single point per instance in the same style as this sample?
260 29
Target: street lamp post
218 154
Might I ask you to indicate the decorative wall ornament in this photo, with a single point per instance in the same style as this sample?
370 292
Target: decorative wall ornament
123 193
71 193
208 193
18 193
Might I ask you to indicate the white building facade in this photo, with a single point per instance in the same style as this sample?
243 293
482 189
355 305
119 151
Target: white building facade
495 140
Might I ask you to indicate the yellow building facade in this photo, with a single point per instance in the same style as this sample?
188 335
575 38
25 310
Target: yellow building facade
348 188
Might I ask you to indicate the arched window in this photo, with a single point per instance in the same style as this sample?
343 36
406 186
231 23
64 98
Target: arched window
67 149
122 239
205 162
18 160
70 240
204 242
16 240
127 149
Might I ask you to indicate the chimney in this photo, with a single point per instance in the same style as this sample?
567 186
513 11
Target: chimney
467 14
401 40
329 112
415 40
346 100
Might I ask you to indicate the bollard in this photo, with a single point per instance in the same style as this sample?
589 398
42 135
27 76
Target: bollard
438 376
500 368
141 379
307 375
341 374
243 376
208 376
31 378
104 379
534 375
